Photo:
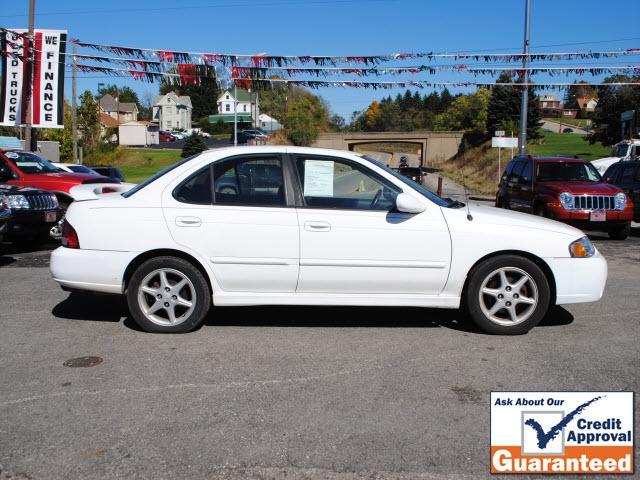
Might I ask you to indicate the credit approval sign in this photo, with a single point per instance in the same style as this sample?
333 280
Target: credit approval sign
562 432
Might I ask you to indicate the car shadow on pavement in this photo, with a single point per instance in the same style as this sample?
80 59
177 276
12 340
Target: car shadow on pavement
92 307
112 308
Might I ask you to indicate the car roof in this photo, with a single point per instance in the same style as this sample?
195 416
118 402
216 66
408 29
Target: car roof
552 159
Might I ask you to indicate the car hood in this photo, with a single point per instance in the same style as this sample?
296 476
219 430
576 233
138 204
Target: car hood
581 188
6 189
75 178
500 217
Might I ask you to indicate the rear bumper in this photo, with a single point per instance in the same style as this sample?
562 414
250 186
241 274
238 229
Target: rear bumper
94 270
579 280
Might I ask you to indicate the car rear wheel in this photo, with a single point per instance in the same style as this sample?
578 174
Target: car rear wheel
168 294
507 295
620 233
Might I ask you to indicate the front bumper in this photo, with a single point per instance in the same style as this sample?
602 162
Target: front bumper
31 222
93 270
582 218
579 280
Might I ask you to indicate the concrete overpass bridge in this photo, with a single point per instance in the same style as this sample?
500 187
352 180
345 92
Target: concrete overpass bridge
435 148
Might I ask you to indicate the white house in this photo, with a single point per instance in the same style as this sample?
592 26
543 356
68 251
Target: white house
226 102
139 133
172 111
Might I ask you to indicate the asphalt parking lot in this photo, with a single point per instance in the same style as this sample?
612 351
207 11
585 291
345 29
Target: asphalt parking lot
338 393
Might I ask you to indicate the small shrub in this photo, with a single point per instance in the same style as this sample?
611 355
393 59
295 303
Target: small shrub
193 145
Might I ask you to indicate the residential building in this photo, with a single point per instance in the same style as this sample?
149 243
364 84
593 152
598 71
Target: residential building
549 104
122 111
587 103
227 101
172 111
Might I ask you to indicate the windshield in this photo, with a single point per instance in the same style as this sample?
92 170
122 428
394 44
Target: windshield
81 169
152 179
29 163
621 150
431 196
567 172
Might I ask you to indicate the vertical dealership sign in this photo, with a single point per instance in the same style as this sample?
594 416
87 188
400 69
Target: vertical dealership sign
47 97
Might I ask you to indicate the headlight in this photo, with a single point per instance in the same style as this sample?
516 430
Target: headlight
582 248
566 199
18 201
4 203
621 201
54 199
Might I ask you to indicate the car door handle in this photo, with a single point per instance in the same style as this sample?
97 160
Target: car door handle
317 226
188 221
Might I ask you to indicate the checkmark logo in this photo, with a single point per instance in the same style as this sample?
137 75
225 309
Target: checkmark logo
545 437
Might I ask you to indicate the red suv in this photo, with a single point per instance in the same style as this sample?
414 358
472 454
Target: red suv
29 170
568 190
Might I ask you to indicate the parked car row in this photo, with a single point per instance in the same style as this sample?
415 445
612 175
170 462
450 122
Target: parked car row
38 192
167 136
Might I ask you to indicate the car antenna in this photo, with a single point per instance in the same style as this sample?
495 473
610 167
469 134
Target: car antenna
464 187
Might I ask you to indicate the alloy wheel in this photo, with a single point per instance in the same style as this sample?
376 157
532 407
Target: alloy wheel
166 297
508 296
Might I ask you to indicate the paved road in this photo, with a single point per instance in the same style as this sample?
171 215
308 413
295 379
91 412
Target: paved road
555 127
306 393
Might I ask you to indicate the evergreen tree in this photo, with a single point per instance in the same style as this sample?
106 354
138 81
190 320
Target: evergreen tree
612 101
193 145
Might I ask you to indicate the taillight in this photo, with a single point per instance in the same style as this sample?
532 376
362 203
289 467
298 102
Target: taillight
69 236
420 179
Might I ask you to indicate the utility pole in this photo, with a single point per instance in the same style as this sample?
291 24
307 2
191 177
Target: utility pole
74 108
235 115
29 80
524 100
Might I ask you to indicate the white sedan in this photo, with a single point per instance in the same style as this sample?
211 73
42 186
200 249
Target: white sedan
303 226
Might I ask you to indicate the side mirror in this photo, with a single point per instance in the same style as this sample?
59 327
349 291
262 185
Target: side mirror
408 204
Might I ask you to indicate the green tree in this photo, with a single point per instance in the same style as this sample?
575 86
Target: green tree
306 116
504 109
612 101
193 145
466 112
88 120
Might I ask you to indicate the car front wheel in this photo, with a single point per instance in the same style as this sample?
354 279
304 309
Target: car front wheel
620 233
507 295
168 294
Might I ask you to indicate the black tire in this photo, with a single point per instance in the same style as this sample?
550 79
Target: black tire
201 295
620 233
471 296
502 203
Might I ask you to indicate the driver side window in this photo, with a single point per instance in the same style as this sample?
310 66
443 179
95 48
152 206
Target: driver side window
342 184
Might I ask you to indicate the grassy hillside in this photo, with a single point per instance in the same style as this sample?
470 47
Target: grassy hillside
137 164
479 166
566 144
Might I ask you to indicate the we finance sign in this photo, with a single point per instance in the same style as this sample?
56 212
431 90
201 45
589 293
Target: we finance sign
47 99
562 432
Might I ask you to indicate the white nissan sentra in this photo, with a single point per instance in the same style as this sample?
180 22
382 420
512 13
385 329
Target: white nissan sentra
303 226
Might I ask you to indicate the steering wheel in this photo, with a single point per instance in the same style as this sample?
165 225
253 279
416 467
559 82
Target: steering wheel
376 199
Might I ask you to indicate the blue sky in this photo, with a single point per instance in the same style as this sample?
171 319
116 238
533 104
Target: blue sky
339 27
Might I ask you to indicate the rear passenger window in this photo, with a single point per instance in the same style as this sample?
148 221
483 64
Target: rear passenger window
196 189
250 181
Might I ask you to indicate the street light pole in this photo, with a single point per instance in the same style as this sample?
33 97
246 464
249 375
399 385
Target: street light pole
74 108
29 80
524 100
